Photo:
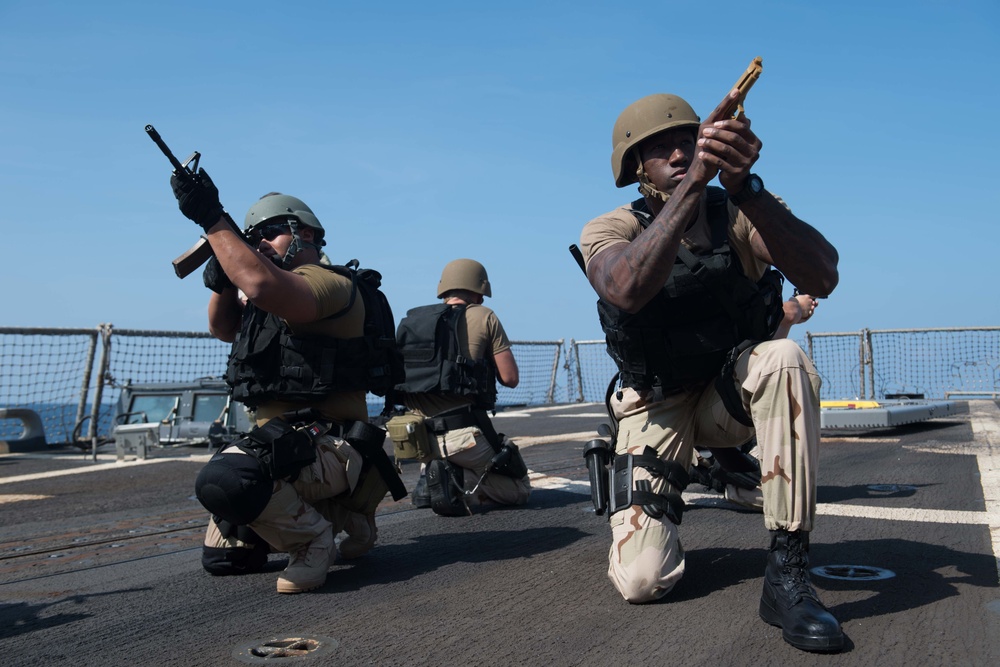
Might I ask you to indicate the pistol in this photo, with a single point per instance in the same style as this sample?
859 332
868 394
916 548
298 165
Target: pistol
732 108
201 251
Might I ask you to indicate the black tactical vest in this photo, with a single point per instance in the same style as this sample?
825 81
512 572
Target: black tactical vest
707 307
268 363
428 339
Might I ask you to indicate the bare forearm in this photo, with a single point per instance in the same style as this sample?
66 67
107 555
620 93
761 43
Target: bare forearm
796 248
249 270
507 370
225 313
268 287
633 277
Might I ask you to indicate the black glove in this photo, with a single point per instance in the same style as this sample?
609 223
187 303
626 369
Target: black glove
215 278
198 198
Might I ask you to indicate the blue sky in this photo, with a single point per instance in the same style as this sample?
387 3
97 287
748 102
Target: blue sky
423 132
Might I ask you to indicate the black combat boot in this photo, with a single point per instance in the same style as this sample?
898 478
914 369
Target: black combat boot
789 600
444 482
421 497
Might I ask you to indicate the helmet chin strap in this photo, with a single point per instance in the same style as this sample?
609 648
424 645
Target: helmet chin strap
646 188
294 247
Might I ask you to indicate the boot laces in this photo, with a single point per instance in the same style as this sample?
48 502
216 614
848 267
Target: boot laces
301 556
298 557
797 584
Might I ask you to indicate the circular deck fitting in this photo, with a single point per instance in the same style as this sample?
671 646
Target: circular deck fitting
891 488
853 572
284 647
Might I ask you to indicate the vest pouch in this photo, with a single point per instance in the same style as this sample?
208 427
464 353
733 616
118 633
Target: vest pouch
508 462
410 438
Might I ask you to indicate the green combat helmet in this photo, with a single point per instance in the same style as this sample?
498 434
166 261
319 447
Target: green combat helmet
640 120
465 274
275 205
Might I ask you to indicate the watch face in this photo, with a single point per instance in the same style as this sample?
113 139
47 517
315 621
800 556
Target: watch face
755 185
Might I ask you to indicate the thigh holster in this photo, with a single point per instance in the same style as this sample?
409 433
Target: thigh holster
282 449
378 474
598 455
625 491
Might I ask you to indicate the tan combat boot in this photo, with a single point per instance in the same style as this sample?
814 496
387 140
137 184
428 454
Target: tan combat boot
361 535
307 565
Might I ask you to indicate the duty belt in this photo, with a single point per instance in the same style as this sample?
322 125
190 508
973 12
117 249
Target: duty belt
464 417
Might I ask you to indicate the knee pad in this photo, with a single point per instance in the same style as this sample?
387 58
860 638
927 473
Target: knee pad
233 550
234 487
228 561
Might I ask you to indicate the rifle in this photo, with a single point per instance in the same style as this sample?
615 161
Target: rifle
732 108
199 253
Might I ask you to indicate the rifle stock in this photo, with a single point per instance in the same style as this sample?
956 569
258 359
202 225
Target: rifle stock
192 258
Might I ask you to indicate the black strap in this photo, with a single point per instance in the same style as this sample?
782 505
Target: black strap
655 505
607 406
451 420
718 213
464 417
368 440
352 267
578 256
727 389
673 472
486 427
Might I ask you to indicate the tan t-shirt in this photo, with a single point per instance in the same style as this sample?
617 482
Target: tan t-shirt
480 336
332 292
622 226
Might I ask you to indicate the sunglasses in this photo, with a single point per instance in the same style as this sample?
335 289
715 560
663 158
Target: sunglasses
270 231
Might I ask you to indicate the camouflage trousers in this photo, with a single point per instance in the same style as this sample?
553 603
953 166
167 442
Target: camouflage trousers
780 389
300 511
469 450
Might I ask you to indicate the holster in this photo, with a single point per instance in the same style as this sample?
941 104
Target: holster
598 453
508 462
625 492
369 440
282 449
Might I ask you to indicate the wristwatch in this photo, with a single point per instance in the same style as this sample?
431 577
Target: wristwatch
753 187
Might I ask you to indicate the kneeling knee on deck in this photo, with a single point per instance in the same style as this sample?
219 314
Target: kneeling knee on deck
645 564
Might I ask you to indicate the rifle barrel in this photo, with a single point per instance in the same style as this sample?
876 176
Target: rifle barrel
174 162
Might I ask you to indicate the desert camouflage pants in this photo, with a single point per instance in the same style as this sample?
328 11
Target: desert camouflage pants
468 449
780 389
301 510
